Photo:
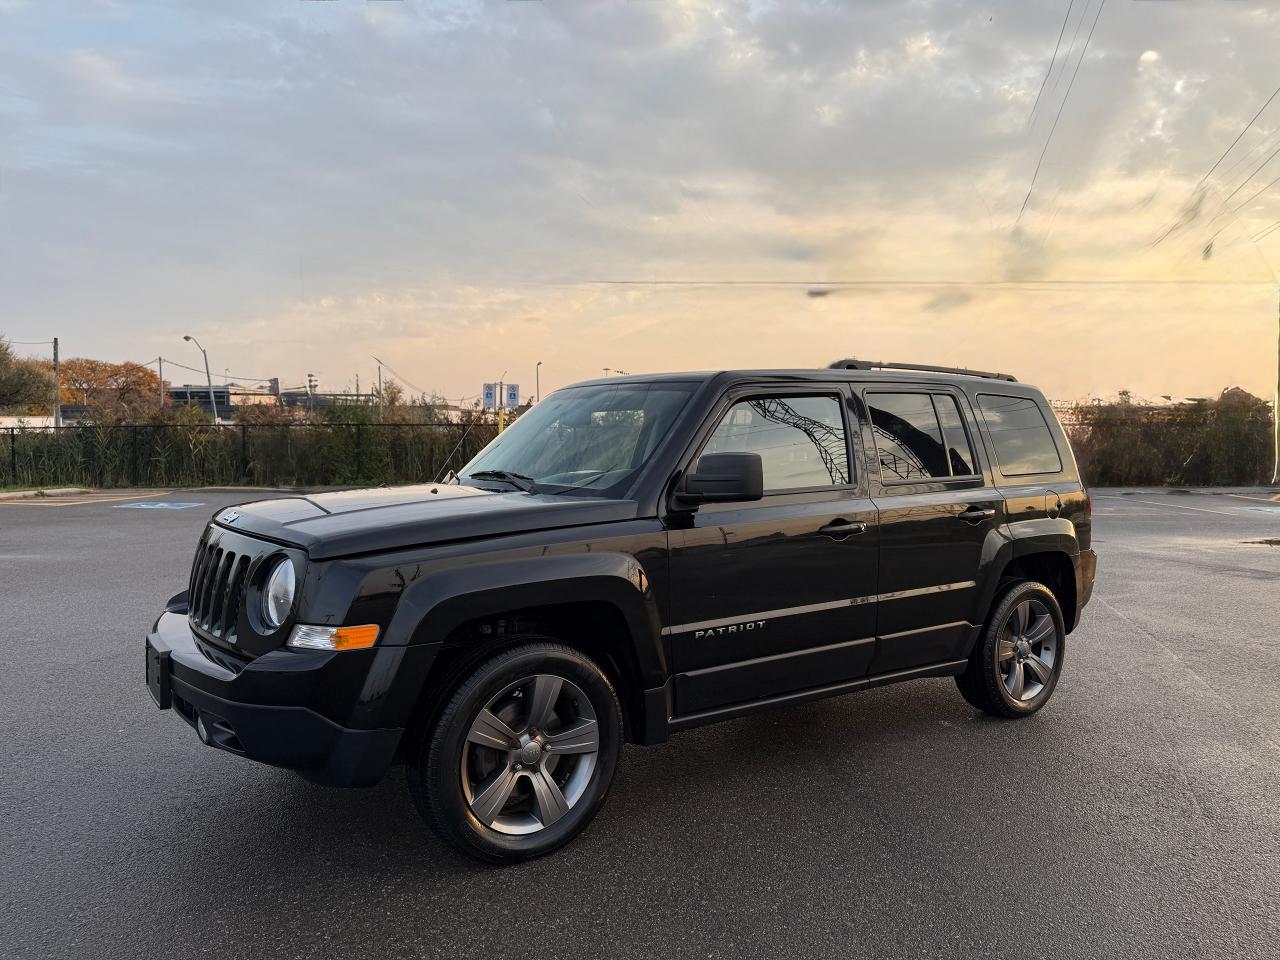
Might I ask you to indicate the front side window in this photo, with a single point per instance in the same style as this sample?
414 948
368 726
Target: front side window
589 441
1020 434
920 436
801 440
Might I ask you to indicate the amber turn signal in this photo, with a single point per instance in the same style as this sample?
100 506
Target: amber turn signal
306 636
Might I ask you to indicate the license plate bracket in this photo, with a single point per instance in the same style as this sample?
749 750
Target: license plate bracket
158 674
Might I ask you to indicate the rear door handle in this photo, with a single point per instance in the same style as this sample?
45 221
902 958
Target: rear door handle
976 516
842 528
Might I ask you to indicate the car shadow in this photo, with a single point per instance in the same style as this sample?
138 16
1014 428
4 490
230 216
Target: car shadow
782 767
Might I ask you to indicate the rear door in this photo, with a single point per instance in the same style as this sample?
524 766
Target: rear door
940 522
777 595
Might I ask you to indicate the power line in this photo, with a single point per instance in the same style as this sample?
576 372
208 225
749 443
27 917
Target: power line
403 378
1208 173
1253 197
1266 232
1052 60
1247 126
175 363
1075 35
1065 97
913 284
1254 172
1245 157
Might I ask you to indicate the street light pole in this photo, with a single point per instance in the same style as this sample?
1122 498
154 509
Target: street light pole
382 406
213 403
537 382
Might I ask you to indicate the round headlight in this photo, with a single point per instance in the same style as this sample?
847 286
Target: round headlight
277 598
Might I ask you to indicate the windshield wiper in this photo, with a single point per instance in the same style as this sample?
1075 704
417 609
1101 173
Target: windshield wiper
517 480
583 484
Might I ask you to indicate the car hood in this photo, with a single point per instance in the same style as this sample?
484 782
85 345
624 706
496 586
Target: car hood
329 525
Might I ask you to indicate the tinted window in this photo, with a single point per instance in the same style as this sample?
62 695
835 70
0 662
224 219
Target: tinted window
800 440
1021 436
959 453
908 436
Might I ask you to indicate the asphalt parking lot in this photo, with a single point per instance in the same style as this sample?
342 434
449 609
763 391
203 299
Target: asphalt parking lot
1137 816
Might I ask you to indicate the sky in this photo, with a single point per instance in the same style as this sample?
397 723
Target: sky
467 188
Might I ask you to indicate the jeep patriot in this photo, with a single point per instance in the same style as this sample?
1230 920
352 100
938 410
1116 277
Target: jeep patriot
633 557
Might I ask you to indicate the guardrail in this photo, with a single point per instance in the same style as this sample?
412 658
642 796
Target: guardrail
295 454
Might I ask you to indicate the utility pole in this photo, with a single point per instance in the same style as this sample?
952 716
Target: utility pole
537 382
311 392
160 361
57 388
1275 409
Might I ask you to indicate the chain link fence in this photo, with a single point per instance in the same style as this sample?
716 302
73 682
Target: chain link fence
266 455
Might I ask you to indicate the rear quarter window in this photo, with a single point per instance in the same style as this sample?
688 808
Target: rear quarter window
1024 444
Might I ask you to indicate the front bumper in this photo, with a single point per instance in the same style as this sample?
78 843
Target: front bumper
280 708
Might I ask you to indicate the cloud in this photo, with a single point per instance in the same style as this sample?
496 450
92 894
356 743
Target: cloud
315 181
948 300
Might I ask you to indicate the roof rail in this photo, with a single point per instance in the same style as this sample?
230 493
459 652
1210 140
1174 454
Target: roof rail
853 364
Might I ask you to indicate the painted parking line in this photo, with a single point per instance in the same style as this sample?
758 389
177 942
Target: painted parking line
1243 496
1180 506
156 505
47 502
1183 506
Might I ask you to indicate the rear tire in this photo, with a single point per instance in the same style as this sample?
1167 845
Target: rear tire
522 754
1017 661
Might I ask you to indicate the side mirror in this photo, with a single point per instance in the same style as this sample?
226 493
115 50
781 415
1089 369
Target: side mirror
723 478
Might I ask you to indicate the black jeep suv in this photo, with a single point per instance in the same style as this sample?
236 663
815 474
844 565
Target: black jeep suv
633 557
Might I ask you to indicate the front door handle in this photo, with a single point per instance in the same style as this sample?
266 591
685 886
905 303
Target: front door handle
976 515
839 529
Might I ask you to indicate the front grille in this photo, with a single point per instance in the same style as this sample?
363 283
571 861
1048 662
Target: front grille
218 578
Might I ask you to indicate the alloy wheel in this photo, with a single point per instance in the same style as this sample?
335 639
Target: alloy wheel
1027 650
529 754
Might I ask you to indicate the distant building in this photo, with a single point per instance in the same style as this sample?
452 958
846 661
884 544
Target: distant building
197 395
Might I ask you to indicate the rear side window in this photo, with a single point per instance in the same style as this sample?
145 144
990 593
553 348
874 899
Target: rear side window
920 436
1021 435
800 440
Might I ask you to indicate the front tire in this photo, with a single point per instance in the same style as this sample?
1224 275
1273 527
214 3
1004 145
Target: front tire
521 756
1016 663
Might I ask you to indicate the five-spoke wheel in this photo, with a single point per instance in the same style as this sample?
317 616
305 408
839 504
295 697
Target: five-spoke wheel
1016 662
530 754
520 756
1026 649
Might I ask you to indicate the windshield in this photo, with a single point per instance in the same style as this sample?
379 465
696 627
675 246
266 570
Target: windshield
586 440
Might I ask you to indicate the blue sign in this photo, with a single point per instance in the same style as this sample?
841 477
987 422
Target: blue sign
157 505
513 396
490 394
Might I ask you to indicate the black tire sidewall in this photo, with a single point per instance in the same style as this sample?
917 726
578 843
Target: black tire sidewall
450 813
989 665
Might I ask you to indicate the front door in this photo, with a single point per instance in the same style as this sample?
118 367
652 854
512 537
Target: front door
776 596
940 521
